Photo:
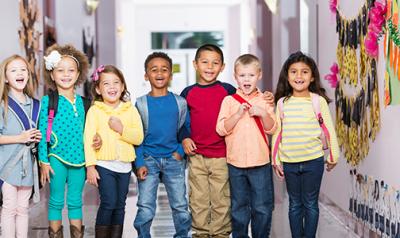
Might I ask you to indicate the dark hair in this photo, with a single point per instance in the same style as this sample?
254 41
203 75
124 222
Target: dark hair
67 50
125 95
209 47
283 89
154 55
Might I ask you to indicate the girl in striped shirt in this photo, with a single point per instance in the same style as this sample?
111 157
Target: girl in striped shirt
300 156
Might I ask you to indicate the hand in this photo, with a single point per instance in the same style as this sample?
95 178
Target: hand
45 170
279 171
177 156
242 109
115 124
38 136
97 142
31 135
141 173
189 146
329 166
269 98
256 111
92 176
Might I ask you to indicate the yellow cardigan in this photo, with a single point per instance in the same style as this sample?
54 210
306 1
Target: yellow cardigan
114 146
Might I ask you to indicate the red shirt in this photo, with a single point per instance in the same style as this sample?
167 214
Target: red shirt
204 103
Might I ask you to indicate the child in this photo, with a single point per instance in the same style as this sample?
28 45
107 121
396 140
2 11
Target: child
161 156
209 195
17 163
118 123
61 152
300 149
250 173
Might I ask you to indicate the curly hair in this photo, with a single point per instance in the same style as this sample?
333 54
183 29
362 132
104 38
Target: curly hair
125 95
154 55
68 50
283 89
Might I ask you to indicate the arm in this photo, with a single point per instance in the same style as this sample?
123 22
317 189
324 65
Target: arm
333 143
276 163
269 121
226 120
42 146
132 133
89 133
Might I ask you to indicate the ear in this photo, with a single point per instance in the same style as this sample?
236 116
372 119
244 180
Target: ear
97 90
312 79
146 77
51 76
260 75
222 67
195 64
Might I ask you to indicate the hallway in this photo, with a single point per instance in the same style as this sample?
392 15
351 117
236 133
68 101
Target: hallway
329 225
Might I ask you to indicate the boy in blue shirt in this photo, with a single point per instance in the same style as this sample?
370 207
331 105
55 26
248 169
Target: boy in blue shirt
160 158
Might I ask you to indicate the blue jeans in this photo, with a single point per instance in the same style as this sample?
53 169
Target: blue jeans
252 198
303 181
171 172
113 189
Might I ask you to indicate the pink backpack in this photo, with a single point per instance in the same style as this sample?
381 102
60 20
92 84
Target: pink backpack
325 137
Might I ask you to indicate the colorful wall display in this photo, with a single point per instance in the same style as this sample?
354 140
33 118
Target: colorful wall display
392 54
356 96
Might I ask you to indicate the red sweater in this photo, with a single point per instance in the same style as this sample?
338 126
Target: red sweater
204 102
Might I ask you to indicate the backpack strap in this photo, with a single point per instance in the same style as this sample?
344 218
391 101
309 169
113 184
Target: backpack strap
25 121
182 109
279 137
325 136
51 112
256 119
141 105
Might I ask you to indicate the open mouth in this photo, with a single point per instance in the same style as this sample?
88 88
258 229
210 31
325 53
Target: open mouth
66 80
247 86
112 93
298 81
20 80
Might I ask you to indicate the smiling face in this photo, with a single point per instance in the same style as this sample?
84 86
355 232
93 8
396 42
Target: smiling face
300 78
208 65
247 76
17 75
158 73
65 74
110 88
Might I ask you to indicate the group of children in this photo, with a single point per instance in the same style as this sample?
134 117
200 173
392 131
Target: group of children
217 131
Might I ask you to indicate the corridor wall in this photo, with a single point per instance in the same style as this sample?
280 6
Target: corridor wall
383 160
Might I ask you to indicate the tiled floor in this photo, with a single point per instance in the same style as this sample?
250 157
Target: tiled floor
329 225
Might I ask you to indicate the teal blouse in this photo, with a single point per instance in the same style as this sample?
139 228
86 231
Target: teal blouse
66 142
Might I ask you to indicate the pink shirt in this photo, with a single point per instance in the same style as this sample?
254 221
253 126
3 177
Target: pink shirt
245 144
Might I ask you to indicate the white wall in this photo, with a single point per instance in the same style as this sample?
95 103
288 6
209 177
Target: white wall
134 44
10 23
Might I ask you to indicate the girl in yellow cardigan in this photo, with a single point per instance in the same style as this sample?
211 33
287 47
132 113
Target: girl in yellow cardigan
118 123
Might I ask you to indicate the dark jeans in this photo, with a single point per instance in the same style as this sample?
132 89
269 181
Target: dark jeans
252 198
113 189
303 181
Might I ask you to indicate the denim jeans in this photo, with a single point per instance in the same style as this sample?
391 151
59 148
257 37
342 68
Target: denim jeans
303 182
171 172
252 198
113 189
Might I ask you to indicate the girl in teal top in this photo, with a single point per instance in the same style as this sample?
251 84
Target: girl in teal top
62 159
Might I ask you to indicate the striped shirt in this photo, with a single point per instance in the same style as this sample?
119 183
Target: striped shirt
301 131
